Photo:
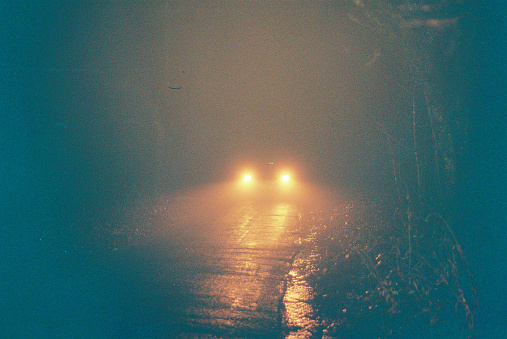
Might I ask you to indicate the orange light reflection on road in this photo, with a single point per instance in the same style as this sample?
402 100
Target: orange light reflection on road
243 245
246 258
297 303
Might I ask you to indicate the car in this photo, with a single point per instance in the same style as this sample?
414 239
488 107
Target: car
266 180
268 173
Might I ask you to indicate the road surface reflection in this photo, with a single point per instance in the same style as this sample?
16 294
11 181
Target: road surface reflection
241 292
227 267
297 301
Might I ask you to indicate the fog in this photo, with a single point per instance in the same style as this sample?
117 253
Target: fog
109 104
171 94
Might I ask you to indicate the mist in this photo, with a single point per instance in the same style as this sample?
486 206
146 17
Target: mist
116 108
171 94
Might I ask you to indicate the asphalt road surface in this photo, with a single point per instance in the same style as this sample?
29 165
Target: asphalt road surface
207 266
215 262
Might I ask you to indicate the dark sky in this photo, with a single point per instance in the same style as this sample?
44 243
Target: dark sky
262 81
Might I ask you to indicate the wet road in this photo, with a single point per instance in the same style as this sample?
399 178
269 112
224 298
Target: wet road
233 271
242 288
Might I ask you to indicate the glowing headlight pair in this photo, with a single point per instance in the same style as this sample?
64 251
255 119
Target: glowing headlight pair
248 178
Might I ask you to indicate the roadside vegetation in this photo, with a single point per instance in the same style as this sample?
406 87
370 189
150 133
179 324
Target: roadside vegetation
397 269
370 280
